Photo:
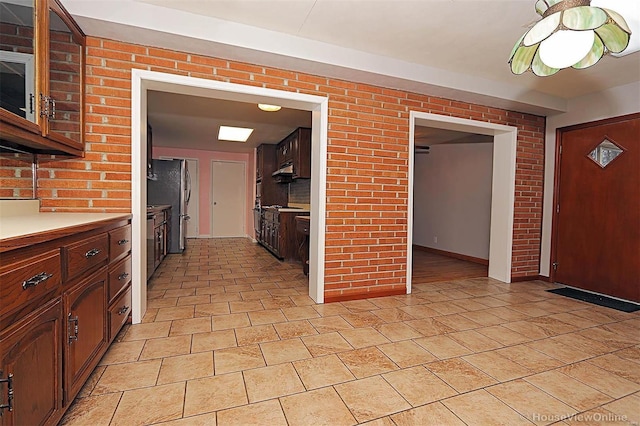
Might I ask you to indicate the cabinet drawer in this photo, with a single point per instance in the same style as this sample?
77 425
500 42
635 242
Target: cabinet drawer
119 242
28 280
119 312
86 254
119 277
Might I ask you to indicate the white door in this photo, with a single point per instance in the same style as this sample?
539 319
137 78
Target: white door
228 194
193 225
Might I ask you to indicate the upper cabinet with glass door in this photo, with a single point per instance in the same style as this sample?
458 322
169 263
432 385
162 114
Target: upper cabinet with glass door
42 78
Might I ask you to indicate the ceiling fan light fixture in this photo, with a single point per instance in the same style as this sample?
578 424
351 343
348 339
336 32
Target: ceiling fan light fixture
269 108
571 33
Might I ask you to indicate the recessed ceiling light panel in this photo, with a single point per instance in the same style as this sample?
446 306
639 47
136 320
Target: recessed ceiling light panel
269 108
234 134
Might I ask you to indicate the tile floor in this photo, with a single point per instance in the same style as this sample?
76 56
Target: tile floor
231 338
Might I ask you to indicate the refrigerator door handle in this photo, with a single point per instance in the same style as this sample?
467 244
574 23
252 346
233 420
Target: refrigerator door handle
185 216
188 186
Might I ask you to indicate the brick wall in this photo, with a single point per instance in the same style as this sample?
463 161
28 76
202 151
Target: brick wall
367 164
16 175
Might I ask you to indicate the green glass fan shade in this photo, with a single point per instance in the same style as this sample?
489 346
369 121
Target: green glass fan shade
571 33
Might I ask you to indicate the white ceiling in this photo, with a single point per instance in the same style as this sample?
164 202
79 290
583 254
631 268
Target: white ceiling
451 48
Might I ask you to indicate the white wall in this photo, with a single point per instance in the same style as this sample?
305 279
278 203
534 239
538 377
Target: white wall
452 198
620 100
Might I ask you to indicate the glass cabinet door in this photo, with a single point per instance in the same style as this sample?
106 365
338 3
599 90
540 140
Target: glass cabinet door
65 79
17 58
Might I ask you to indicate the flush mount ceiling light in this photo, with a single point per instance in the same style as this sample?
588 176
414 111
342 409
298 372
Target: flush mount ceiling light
571 33
269 108
234 134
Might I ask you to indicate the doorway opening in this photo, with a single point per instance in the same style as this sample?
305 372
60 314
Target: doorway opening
143 81
502 187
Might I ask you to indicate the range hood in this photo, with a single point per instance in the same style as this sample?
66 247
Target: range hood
286 170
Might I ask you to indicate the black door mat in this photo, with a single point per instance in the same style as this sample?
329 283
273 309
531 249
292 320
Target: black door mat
596 299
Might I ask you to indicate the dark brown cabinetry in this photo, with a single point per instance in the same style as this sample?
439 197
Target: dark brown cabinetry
60 293
295 150
278 233
43 94
268 191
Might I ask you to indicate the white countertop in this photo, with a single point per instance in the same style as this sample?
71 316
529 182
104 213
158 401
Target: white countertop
19 226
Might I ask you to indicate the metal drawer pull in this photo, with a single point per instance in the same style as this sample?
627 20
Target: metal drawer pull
122 242
9 382
72 320
91 253
123 310
35 280
122 276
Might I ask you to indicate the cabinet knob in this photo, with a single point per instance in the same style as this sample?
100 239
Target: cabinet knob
92 253
122 242
123 276
35 280
123 310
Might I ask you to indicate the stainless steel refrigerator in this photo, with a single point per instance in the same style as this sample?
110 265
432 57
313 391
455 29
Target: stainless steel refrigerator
171 184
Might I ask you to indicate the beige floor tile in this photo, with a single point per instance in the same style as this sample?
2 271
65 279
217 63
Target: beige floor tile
560 351
597 417
201 299
443 346
383 421
397 331
268 316
214 393
317 407
148 331
166 346
608 338
150 405
179 292
284 351
420 311
207 419
492 411
483 318
323 371
272 382
122 352
302 300
533 360
605 381
528 329
457 322
367 362
226 322
508 314
328 324
460 375
300 313
202 342
390 315
432 414
277 302
429 327
370 398
165 302
291 329
363 319
495 365
581 396
631 354
256 334
325 344
179 312
553 326
186 367
475 341
537 406
330 309
245 306
121 377
620 366
386 302
626 409
406 353
237 359
91 382
584 345
210 309
419 386
363 337
359 305
190 326
259 414
254 294
226 297
94 410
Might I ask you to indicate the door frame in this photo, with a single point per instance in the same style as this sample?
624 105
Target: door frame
192 176
244 198
556 179
141 82
505 140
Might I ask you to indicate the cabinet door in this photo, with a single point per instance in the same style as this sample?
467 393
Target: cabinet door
259 162
86 329
32 355
63 107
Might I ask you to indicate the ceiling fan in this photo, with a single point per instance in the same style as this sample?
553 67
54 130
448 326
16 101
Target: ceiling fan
421 149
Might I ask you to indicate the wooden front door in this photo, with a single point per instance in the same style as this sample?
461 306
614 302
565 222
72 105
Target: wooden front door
597 227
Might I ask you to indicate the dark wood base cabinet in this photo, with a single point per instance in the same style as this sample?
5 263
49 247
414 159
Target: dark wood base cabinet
278 234
64 299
